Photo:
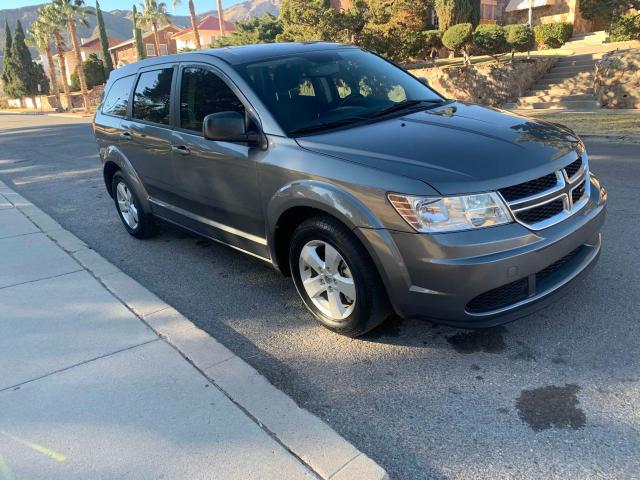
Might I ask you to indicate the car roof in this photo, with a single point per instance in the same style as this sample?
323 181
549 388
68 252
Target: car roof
264 51
238 54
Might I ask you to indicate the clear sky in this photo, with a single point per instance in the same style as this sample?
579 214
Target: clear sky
183 9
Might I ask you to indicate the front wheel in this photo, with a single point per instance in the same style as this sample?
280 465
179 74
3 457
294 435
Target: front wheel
336 278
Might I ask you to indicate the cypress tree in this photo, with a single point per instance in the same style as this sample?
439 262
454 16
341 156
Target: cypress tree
23 71
137 35
104 42
476 13
6 55
453 12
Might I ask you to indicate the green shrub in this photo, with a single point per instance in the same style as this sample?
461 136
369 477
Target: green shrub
432 41
520 38
75 82
490 39
553 35
625 27
94 74
459 38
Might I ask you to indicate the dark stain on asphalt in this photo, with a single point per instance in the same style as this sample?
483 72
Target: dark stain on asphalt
475 367
551 406
526 353
489 340
503 410
558 360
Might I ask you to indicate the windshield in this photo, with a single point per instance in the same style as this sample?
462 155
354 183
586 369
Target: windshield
321 90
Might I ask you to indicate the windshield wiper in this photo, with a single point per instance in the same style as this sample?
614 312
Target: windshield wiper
403 106
317 127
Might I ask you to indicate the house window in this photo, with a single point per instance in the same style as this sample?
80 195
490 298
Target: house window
163 49
488 9
151 49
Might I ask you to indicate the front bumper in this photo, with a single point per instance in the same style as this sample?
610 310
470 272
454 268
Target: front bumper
490 276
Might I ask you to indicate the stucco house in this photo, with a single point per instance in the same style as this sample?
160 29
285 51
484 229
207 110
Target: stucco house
208 30
547 11
504 12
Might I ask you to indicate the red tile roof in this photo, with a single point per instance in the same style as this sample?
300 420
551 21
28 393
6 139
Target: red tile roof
95 42
210 22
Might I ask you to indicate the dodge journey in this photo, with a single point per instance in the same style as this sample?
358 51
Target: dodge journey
376 194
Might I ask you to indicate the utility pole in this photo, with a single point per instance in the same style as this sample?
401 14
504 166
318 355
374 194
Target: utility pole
530 13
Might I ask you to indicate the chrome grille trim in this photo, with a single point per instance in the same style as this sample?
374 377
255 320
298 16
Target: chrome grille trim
563 190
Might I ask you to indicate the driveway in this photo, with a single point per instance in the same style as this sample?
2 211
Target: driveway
554 395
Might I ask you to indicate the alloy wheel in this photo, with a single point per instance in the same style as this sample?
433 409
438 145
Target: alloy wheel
126 205
327 279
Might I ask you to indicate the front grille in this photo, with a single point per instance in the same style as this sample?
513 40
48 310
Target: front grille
578 192
573 168
519 290
547 200
555 266
541 213
500 297
530 188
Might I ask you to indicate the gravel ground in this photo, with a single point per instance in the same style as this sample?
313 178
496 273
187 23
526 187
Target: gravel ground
554 395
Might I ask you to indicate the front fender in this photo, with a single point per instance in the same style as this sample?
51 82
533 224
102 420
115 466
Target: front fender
113 155
321 196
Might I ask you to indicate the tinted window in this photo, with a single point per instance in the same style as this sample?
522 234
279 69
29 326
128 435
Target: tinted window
321 88
151 98
202 92
118 97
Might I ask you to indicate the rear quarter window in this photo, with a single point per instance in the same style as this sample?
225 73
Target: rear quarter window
117 99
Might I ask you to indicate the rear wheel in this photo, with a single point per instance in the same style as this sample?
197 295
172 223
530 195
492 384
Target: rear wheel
135 220
336 278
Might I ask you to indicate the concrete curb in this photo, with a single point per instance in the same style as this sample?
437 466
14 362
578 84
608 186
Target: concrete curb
303 434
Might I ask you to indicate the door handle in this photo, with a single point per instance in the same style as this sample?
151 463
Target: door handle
181 149
125 136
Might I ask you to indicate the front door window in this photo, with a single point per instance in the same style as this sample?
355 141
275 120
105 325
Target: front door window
202 93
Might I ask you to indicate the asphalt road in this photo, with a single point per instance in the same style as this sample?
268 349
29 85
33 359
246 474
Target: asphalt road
555 395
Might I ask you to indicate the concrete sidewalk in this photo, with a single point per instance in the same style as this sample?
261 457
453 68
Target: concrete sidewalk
101 379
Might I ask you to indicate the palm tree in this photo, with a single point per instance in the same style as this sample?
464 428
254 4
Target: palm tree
40 37
221 18
154 15
49 17
194 21
70 13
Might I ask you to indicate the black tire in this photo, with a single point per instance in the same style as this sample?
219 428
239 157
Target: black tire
371 305
147 226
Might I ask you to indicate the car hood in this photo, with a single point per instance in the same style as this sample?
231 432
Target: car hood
455 148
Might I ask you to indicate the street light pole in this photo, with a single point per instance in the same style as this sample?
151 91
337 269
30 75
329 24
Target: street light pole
530 13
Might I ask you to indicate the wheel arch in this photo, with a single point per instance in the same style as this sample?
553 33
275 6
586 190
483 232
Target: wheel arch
115 161
301 200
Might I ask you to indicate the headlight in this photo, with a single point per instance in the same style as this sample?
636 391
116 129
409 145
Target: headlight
451 214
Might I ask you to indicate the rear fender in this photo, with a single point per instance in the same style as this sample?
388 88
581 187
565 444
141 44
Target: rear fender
113 155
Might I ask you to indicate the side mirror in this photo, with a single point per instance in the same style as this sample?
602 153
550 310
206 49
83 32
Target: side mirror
228 127
424 80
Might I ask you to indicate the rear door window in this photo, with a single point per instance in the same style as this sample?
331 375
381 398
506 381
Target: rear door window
151 98
117 99
202 93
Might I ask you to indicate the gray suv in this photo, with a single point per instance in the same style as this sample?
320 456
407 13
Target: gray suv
375 193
